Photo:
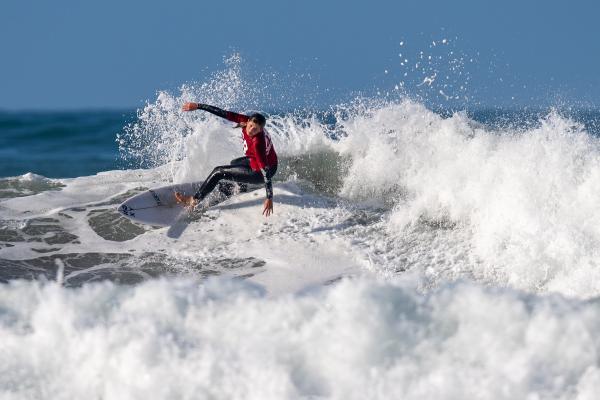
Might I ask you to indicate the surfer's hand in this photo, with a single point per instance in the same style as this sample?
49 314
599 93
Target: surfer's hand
268 207
188 201
191 106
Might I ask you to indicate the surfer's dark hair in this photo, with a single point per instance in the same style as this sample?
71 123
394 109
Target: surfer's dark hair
258 118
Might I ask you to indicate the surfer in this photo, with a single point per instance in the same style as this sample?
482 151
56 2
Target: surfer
258 166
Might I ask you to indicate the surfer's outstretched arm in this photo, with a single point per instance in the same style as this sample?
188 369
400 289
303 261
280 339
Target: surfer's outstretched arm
228 115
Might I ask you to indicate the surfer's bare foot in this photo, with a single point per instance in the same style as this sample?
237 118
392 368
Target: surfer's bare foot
188 201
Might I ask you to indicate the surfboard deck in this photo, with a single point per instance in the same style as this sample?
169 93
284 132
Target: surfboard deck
158 206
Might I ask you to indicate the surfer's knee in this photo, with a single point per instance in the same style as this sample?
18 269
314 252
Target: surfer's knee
218 171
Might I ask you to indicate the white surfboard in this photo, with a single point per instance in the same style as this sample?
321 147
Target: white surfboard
158 206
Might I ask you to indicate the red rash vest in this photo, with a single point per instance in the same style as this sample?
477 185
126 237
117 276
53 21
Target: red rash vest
259 148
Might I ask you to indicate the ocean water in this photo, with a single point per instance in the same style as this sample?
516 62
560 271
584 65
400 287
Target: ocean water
60 144
414 253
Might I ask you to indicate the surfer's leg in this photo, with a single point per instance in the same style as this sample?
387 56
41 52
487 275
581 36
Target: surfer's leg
227 189
233 173
243 161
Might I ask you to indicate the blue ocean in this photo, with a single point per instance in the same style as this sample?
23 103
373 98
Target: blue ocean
415 252
60 144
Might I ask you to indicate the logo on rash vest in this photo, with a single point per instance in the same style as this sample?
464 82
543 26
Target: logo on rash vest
268 141
244 144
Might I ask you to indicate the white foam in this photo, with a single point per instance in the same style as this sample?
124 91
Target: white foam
527 197
81 191
359 339
31 177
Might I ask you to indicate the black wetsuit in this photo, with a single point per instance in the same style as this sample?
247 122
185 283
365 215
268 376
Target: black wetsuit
237 171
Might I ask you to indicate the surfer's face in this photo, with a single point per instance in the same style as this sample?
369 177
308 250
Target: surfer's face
253 128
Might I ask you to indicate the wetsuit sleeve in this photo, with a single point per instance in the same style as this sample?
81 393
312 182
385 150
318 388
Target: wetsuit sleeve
268 183
228 115
260 150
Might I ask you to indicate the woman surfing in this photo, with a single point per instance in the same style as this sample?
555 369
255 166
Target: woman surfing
258 166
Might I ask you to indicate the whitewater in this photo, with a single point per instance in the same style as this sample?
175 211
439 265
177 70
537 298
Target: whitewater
411 255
